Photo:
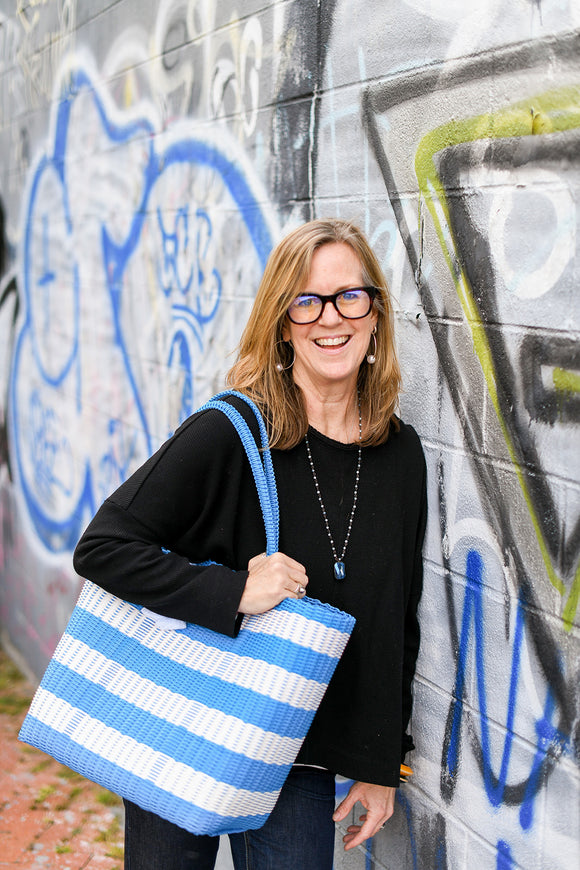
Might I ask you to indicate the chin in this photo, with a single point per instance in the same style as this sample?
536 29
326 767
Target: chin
334 376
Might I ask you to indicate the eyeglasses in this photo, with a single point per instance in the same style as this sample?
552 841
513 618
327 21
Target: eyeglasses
354 303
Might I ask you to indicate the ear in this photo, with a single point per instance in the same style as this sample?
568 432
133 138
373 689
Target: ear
374 317
285 332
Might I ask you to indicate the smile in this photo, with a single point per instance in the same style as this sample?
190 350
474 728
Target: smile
336 341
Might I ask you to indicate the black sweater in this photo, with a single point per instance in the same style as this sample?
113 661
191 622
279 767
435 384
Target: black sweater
196 499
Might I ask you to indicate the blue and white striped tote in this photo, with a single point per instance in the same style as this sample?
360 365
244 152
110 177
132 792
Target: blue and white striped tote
200 728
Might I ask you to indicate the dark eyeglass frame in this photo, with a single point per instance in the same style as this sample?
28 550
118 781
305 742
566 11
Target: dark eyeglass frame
371 292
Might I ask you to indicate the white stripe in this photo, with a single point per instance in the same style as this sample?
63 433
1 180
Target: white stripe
249 673
213 725
148 764
303 631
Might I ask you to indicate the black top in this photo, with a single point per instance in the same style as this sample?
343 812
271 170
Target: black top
197 499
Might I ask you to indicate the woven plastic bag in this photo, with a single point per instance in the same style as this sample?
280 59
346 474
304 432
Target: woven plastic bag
195 726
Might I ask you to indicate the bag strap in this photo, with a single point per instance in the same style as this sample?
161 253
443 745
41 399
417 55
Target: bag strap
260 461
265 453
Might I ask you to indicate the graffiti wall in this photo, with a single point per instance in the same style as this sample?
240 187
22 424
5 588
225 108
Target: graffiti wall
152 154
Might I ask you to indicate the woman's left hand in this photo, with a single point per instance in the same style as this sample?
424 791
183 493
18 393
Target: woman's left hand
379 803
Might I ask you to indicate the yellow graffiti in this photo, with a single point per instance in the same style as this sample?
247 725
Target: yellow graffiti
566 381
554 111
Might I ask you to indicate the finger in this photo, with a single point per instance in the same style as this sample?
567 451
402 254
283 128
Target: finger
292 589
299 580
344 808
291 564
365 832
295 583
351 840
279 562
255 560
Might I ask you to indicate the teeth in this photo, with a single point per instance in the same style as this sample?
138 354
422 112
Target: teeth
331 342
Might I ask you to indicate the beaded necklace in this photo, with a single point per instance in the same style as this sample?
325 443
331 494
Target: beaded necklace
339 567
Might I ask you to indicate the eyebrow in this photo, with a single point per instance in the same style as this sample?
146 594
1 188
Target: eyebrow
336 292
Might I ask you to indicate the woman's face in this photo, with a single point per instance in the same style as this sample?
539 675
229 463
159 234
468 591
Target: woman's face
329 352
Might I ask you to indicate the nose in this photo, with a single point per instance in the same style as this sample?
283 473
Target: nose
330 316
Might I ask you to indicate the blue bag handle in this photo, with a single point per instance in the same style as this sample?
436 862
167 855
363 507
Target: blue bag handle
260 461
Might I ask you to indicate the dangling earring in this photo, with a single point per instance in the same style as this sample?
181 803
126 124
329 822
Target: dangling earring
372 357
280 367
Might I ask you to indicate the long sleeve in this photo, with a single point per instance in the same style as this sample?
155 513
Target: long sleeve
192 501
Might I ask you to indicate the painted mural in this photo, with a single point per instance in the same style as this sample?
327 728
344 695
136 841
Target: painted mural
151 157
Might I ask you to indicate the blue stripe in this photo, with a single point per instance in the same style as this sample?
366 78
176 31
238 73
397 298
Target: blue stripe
134 788
282 652
270 648
173 740
212 691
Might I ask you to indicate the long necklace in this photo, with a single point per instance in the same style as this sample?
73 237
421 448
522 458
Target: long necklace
339 567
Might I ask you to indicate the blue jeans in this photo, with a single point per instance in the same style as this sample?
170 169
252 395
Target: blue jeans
299 834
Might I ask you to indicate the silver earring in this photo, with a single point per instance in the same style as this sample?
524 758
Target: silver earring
280 367
372 357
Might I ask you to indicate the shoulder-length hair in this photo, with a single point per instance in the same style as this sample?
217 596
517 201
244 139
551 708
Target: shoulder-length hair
261 346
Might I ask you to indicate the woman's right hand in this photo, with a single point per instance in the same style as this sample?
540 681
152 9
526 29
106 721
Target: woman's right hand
271 579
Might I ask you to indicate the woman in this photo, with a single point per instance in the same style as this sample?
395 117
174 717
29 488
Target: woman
318 357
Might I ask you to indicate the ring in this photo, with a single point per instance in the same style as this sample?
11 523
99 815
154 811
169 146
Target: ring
300 590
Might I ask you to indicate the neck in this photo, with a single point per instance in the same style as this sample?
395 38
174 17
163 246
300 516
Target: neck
334 413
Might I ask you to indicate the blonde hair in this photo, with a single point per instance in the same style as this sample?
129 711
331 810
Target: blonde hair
262 347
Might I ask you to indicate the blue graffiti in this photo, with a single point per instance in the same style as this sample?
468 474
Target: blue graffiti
47 277
504 857
405 804
550 740
59 486
180 358
175 243
46 448
116 462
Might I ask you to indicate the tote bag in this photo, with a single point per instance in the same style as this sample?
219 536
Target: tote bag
195 726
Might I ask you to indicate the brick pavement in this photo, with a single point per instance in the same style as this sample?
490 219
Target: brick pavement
50 817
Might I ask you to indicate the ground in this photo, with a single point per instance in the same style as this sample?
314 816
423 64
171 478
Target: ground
50 817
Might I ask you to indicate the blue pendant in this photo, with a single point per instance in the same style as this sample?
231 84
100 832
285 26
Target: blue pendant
339 570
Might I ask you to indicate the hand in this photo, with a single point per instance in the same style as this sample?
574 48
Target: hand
271 579
378 801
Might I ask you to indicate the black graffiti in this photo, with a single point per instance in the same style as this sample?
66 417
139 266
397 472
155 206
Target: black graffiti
8 297
515 380
295 114
376 100
543 403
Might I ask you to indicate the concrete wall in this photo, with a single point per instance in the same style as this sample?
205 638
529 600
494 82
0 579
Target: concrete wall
151 153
